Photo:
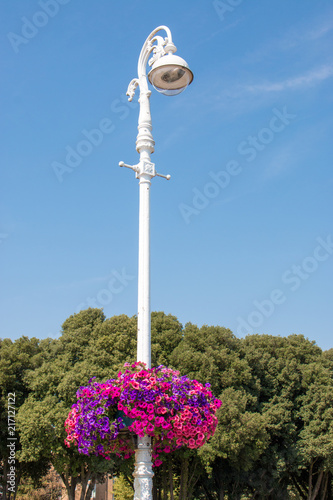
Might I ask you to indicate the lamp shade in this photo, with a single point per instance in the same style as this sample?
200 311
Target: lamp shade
170 74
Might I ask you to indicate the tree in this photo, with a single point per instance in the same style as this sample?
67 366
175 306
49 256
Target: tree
212 354
166 334
54 384
278 365
50 488
315 443
122 490
239 441
16 359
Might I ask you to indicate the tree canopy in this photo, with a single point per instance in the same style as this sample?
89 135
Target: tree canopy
274 439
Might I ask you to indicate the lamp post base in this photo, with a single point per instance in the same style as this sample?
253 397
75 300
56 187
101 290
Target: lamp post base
143 473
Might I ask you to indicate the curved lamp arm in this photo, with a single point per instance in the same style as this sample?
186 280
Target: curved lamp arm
145 142
162 46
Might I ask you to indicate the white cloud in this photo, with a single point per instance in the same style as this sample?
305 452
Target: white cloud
306 80
294 39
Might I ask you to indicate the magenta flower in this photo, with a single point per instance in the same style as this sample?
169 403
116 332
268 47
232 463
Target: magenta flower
150 408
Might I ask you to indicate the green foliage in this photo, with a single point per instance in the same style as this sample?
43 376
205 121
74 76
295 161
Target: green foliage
211 354
285 369
122 490
114 344
50 488
241 436
67 363
275 432
89 346
166 334
16 360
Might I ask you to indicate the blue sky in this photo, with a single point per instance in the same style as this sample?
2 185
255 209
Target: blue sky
241 236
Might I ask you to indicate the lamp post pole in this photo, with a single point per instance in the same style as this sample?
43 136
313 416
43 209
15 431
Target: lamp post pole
171 69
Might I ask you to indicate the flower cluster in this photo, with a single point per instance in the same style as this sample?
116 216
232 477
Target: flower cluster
158 402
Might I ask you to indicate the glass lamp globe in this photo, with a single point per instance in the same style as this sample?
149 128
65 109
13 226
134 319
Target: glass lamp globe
170 75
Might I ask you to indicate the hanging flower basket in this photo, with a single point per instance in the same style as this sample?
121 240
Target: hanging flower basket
157 402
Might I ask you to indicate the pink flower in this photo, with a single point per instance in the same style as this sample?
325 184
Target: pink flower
191 443
150 428
150 408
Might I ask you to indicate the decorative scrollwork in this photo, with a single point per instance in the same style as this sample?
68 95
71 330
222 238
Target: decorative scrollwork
158 50
131 88
146 167
143 474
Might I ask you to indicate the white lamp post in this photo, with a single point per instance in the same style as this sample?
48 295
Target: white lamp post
170 75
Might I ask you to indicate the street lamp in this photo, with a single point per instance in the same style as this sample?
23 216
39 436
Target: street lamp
170 75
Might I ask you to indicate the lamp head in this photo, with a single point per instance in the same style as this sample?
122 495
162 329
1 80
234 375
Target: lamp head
170 74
